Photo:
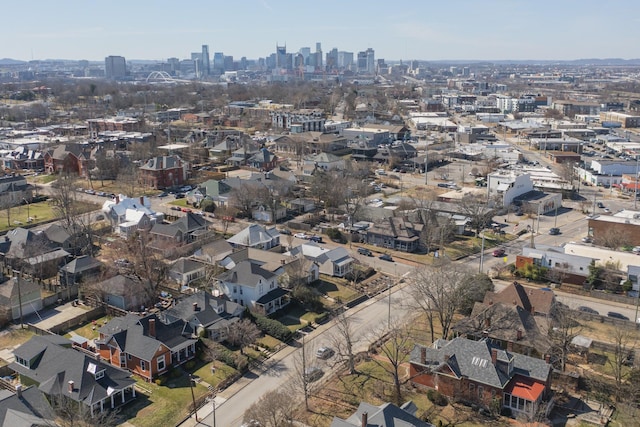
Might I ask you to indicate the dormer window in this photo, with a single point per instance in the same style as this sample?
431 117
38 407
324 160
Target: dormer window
23 362
95 370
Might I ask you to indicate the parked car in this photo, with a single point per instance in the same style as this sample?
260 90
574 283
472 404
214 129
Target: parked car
636 250
313 374
554 231
386 257
175 208
365 251
285 231
587 239
187 210
585 309
616 315
600 205
301 236
317 239
499 252
163 194
324 353
180 196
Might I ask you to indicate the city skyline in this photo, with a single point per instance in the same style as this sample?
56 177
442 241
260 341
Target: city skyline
456 30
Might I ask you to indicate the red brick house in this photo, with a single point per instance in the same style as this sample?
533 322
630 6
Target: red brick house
163 172
145 345
68 158
477 372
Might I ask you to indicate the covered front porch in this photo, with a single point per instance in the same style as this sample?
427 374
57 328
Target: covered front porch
114 399
272 301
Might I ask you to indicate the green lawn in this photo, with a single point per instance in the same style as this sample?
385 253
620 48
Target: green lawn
165 405
90 330
336 290
222 371
268 342
39 212
180 202
42 179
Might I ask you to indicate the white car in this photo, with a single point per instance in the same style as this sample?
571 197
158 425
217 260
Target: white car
324 353
301 236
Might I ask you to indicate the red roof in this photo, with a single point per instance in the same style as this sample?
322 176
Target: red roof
630 185
525 388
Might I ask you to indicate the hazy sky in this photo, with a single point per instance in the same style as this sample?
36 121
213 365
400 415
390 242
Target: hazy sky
417 29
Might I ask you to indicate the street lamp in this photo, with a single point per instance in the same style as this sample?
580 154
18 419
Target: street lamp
214 393
193 397
28 216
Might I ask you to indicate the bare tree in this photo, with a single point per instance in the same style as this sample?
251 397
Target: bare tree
243 334
344 340
302 373
612 239
624 345
274 409
394 347
439 291
475 207
563 328
74 414
63 199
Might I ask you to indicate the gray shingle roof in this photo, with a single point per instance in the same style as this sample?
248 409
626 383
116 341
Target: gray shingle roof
246 273
58 365
385 415
473 359
29 410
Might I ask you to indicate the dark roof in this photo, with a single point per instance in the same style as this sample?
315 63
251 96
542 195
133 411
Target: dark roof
80 264
245 273
190 223
186 265
131 333
9 287
272 295
207 311
385 415
57 233
58 365
472 359
168 230
28 410
25 243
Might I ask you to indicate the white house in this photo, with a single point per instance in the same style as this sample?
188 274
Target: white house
256 236
333 262
507 185
250 285
128 215
322 161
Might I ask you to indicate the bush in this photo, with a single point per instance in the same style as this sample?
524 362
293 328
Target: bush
321 318
437 398
335 235
190 365
273 327
208 205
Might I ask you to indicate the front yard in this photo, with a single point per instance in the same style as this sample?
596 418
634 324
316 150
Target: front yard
39 213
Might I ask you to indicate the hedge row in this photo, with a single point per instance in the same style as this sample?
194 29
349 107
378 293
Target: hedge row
273 327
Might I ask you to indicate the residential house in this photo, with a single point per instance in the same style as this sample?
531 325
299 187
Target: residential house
385 415
263 160
214 252
396 132
187 270
23 158
241 156
187 229
211 189
250 285
221 151
269 214
120 291
516 319
68 158
477 372
32 253
129 215
287 268
79 270
19 297
205 313
27 407
14 190
322 161
256 236
395 233
333 262
164 172
146 346
50 363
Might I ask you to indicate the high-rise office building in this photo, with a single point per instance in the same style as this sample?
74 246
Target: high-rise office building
115 67
218 63
345 60
206 62
318 56
281 56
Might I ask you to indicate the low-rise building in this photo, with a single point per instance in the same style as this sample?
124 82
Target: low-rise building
163 172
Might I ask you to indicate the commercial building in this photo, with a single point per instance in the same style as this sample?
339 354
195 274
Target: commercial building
115 67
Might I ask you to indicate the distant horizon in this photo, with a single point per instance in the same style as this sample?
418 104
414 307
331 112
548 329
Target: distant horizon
544 30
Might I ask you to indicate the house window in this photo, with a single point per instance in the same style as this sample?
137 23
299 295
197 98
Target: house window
99 374
128 356
143 365
472 388
235 289
240 291
261 289
161 364
22 361
480 392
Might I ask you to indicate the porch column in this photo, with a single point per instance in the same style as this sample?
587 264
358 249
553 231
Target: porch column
122 394
102 406
112 402
133 390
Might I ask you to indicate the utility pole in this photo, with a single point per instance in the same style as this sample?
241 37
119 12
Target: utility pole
481 254
193 397
635 186
426 162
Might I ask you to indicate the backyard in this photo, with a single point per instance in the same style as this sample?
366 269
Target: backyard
34 213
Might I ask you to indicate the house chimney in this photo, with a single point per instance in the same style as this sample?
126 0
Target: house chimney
423 355
70 386
152 328
117 199
509 346
487 322
547 358
364 420
494 356
19 391
141 200
447 357
519 334
195 306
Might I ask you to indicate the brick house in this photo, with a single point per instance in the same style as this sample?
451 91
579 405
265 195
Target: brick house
478 372
516 319
395 233
146 346
163 172
68 158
